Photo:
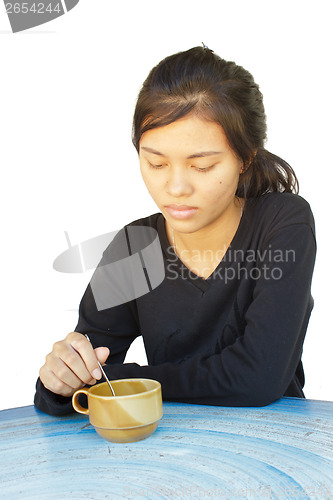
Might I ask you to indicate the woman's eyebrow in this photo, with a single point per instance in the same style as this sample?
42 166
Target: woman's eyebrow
201 154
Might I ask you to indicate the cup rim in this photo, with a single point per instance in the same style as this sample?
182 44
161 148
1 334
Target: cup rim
149 391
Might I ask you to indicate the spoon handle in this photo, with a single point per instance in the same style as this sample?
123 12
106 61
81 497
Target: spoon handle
103 372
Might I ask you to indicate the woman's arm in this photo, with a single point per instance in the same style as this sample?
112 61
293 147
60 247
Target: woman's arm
72 361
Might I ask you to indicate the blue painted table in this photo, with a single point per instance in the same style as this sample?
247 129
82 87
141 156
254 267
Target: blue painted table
284 450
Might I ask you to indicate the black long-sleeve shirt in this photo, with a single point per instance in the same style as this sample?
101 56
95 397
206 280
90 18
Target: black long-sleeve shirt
234 339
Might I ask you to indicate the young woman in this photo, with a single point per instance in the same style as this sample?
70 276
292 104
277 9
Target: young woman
226 323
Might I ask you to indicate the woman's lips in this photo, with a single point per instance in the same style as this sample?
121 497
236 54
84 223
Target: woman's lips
181 211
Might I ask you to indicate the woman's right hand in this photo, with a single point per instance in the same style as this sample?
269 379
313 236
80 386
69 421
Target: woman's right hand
71 364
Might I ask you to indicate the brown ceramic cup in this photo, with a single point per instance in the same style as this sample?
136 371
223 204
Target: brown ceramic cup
131 415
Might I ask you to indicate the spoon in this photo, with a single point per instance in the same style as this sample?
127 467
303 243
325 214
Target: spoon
103 372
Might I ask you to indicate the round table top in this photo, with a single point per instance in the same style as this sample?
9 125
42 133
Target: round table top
284 450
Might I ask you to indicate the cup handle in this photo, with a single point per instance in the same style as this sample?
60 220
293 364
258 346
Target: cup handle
75 401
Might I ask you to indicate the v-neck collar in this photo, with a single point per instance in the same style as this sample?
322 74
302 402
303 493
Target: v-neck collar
185 272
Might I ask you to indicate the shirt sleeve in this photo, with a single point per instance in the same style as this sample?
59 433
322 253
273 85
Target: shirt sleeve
259 366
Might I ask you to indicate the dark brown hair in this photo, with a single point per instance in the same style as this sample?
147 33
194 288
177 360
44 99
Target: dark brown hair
199 81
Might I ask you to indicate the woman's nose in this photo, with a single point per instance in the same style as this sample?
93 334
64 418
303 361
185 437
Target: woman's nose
178 184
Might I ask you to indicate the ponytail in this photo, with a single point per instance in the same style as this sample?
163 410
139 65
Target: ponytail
267 173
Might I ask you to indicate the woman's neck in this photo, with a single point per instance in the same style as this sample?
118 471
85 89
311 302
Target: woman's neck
202 250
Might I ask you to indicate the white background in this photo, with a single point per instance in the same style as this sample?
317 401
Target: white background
68 90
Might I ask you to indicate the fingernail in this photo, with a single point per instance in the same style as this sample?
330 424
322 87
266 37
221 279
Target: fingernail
97 373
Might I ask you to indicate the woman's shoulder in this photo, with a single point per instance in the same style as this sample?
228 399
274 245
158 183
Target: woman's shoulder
279 201
132 238
287 208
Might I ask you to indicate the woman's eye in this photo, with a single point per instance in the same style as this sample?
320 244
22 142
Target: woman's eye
154 166
204 170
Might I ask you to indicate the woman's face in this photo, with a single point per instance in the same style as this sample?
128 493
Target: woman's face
191 173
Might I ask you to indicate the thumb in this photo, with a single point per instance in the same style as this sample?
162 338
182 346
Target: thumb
102 353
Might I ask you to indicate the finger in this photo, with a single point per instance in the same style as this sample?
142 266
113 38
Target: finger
85 350
102 354
53 384
72 375
64 360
